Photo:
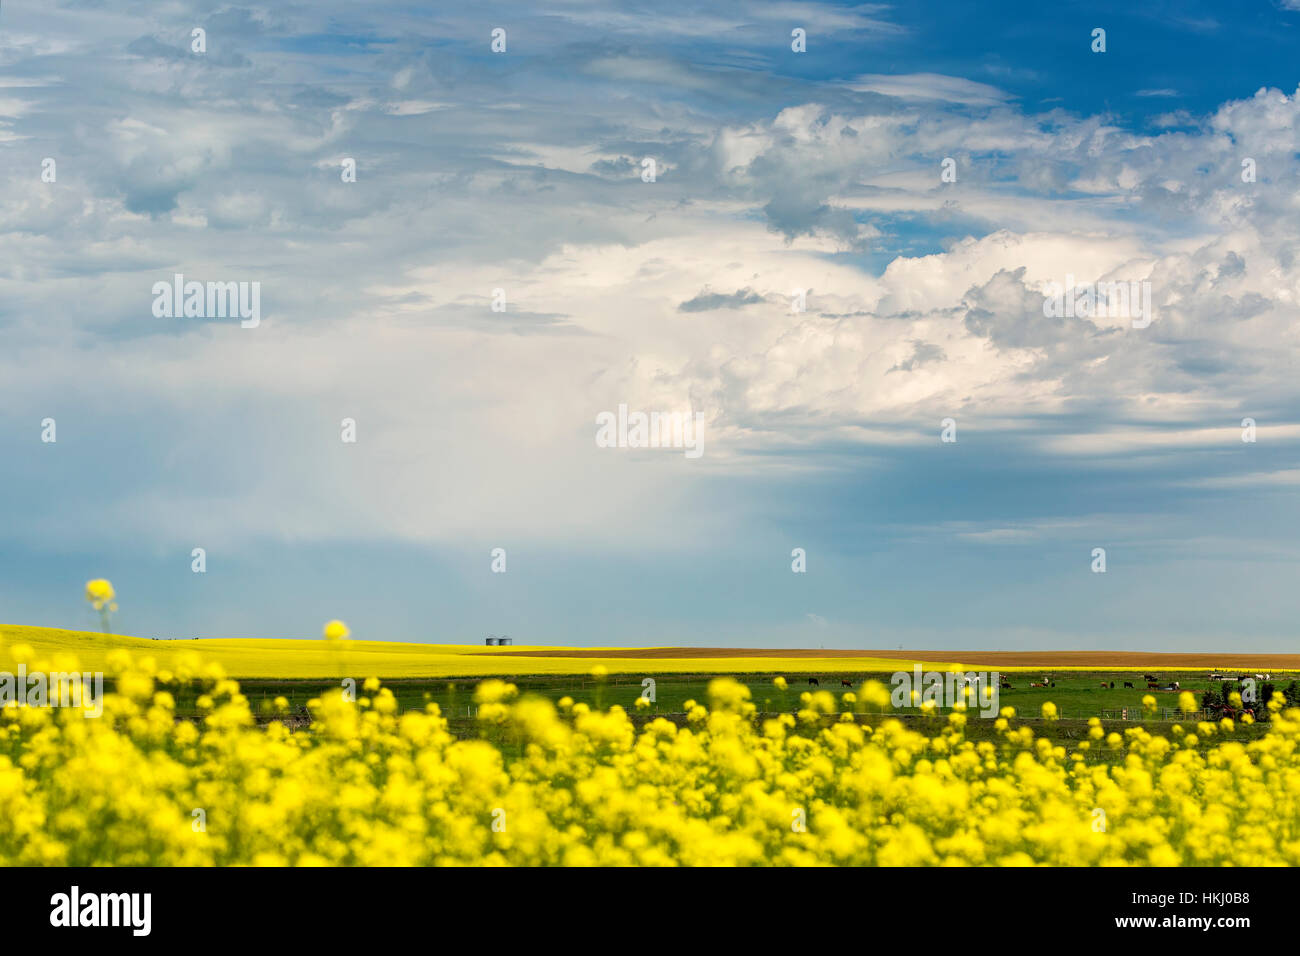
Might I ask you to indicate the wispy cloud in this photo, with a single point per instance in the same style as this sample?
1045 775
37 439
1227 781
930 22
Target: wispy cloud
930 86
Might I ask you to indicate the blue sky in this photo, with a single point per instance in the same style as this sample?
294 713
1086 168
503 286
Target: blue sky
775 171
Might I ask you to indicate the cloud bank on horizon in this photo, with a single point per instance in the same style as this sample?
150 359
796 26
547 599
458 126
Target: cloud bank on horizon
839 249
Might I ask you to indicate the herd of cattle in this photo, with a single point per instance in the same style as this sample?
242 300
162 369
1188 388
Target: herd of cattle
1153 682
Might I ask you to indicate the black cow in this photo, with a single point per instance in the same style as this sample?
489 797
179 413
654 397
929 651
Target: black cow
814 681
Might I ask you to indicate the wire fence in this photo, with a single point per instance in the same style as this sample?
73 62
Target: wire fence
1163 713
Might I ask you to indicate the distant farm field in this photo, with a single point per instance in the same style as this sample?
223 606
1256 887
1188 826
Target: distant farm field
270 658
287 659
1011 661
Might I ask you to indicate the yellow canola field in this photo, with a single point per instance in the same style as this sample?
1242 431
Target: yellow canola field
277 658
567 785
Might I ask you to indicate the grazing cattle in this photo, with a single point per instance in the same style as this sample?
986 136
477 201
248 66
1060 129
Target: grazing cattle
1005 687
814 681
1152 685
1172 686
1215 676
1104 685
1128 683
846 683
1243 677
1149 677
1037 685
1112 685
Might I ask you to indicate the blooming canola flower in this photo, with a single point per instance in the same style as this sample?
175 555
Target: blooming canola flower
367 784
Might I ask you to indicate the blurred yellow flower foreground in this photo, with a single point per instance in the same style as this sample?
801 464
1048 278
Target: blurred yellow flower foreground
365 785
